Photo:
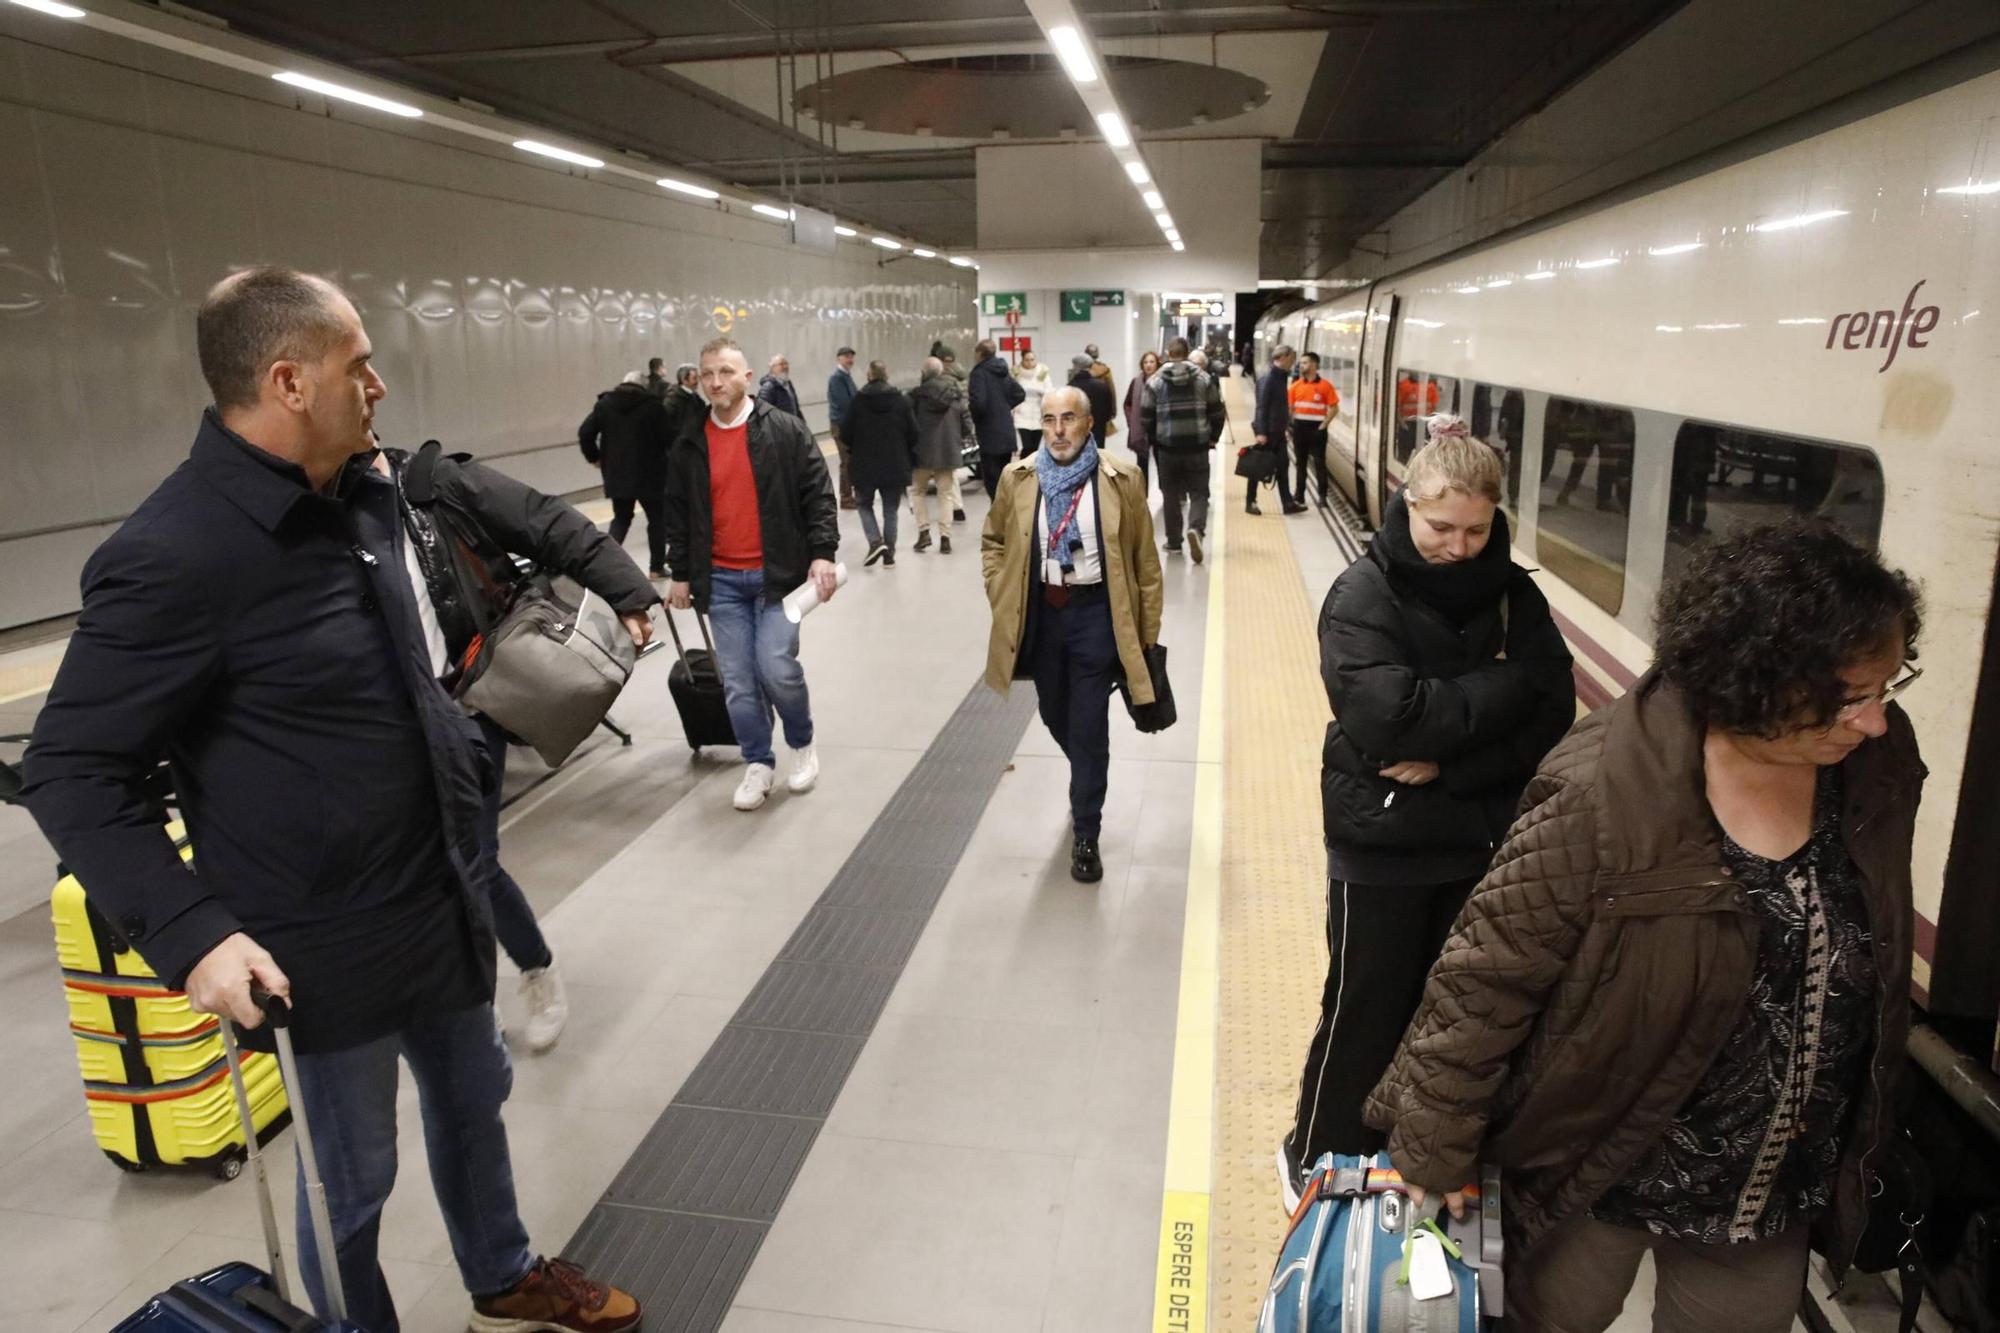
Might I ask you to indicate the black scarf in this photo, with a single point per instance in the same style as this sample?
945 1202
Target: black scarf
1458 592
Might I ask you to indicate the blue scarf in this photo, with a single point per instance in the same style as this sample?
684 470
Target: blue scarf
1060 482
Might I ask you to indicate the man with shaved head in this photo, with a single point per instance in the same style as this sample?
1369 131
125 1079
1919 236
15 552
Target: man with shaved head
1074 581
254 625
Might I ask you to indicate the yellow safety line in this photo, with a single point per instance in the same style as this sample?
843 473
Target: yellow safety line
1180 1301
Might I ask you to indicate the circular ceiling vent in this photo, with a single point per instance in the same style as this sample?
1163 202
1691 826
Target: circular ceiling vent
1023 97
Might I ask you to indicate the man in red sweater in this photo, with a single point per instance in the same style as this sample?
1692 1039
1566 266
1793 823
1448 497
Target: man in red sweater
750 516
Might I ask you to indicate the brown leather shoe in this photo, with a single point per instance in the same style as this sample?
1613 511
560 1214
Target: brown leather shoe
555 1297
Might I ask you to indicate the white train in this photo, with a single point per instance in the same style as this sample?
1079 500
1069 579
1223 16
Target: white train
1812 329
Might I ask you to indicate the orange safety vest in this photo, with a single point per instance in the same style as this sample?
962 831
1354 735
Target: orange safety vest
1313 401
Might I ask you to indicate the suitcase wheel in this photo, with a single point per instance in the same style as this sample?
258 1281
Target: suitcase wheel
229 1167
124 1164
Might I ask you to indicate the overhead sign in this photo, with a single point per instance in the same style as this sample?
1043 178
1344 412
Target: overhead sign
1001 303
1212 309
1076 307
1020 343
1107 298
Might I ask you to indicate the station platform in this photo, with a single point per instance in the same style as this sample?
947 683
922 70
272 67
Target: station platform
866 1060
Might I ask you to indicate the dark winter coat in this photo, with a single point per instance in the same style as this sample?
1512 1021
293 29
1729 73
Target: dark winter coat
795 503
1103 407
881 435
1274 408
995 393
627 435
658 385
1599 967
683 406
1182 408
1406 682
944 423
780 394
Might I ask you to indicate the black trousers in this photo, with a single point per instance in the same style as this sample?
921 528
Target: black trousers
1076 668
1309 458
656 536
1031 440
990 468
1381 940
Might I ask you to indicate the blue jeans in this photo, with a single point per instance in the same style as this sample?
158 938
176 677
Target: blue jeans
892 500
757 651
513 920
463 1076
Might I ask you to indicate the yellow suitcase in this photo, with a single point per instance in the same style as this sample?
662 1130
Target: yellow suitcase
154 1076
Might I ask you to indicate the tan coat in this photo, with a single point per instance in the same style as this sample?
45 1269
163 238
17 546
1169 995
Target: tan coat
1131 568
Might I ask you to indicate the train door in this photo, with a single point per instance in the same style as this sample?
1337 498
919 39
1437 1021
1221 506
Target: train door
1964 981
1377 415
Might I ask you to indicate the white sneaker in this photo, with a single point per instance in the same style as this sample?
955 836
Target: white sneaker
548 1007
756 785
805 770
1288 1178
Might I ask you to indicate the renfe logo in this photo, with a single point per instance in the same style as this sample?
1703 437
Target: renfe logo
1885 328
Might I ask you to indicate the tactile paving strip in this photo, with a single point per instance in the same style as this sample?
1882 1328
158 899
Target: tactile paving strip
683 1220
1272 945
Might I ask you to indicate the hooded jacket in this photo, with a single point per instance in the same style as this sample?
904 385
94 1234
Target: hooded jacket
881 435
1597 970
628 434
995 393
944 423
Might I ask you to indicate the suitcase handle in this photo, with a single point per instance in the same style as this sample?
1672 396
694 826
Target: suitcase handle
701 623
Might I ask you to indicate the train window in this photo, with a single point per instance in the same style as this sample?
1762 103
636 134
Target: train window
1582 523
1726 478
1417 396
1498 416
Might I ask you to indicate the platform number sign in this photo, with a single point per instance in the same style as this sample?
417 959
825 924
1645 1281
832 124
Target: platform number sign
1003 303
1076 307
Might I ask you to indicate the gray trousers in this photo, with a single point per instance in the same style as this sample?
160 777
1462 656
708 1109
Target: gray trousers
1576 1280
1183 479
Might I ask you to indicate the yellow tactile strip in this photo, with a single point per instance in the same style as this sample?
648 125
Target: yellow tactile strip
1272 950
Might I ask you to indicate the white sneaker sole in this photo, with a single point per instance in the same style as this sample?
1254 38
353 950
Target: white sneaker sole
801 788
1194 546
1288 1188
747 807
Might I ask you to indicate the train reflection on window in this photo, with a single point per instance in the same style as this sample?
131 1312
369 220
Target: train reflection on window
1726 478
1417 396
1497 417
1586 510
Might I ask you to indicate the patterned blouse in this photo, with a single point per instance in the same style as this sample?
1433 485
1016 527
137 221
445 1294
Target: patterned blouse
1755 1150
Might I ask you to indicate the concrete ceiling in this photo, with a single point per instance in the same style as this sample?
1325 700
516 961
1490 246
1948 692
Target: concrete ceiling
1362 104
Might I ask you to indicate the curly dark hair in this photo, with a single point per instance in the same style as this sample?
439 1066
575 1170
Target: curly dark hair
1758 626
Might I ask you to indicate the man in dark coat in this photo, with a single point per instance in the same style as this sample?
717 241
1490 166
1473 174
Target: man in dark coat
660 385
882 442
840 391
684 401
776 388
254 624
1273 416
1103 407
627 436
995 393
944 428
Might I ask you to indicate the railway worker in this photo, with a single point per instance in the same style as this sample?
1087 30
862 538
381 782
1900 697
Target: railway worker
751 515
1449 681
1074 582
944 428
253 624
1314 402
884 430
1183 416
776 387
1674 1010
626 438
1271 424
840 391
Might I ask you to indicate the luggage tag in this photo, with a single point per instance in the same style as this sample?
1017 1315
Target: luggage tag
1425 1271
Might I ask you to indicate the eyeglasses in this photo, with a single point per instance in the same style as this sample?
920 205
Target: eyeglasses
1853 708
1066 419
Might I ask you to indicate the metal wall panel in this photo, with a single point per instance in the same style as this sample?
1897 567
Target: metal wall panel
501 296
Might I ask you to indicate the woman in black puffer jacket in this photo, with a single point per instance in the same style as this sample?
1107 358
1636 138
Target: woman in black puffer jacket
1449 681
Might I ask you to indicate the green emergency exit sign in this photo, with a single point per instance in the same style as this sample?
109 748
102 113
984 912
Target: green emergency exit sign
1003 303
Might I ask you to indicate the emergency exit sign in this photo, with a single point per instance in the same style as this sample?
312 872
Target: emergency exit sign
1003 303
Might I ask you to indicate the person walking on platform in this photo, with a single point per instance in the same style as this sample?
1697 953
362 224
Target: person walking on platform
1314 402
1035 380
626 437
1183 417
1074 581
1674 1011
777 390
465 522
1270 425
254 625
840 391
657 382
943 352
684 404
751 515
884 443
994 394
944 427
1096 389
1449 681
1136 438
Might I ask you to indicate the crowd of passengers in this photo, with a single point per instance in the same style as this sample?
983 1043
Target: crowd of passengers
1651 963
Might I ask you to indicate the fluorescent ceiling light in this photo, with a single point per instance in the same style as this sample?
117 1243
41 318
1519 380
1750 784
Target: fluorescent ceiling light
682 187
1681 249
1802 220
1178 247
1718 326
961 261
1466 291
1173 234
924 254
1983 187
779 214
51 8
1666 328
325 89
1538 277
1154 201
1137 171
1499 282
1605 262
1075 57
1163 220
1808 319
559 154
1113 126
845 231
885 242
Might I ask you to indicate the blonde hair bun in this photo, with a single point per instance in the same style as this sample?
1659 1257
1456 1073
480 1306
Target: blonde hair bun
1454 460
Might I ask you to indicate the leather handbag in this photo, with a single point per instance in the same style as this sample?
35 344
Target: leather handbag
550 670
1159 714
1255 463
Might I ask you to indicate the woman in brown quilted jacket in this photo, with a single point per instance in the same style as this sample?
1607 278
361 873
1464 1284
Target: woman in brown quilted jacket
1674 1009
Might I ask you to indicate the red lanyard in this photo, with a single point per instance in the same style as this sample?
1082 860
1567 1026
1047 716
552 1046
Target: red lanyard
1056 533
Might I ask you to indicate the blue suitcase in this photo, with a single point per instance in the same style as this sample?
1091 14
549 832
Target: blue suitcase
242 1298
1341 1267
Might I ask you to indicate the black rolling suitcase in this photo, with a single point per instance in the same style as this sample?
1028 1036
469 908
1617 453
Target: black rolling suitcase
696 684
